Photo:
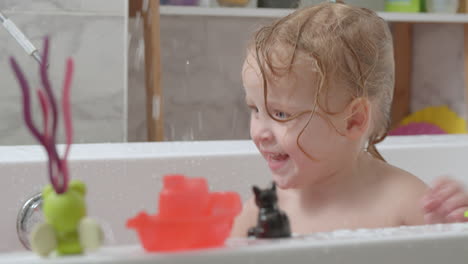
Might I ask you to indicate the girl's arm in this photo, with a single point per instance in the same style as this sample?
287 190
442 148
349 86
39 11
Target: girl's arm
246 219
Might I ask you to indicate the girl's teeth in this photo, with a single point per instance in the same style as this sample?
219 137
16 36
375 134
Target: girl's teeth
279 156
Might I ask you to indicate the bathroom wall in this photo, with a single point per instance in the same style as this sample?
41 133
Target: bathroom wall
94 34
438 67
202 89
203 94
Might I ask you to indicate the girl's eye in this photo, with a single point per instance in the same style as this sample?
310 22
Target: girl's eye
281 115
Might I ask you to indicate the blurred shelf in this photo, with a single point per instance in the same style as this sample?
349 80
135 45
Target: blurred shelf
224 11
425 17
279 12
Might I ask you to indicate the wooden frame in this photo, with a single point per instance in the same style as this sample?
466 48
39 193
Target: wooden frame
154 102
402 42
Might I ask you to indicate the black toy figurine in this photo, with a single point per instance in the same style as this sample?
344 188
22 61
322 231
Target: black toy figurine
272 222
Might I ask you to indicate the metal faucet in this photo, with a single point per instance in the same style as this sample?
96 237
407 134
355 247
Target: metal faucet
20 38
28 216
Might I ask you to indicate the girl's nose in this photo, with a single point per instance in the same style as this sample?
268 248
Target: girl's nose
262 133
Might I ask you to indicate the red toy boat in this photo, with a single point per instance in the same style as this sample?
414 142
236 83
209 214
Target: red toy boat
189 216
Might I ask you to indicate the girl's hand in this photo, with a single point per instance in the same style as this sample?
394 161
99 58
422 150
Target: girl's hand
445 202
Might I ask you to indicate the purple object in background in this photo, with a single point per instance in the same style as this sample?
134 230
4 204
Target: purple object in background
180 2
419 128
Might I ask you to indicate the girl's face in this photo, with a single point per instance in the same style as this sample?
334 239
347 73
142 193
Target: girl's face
324 149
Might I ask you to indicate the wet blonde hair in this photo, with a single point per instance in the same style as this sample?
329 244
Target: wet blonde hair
350 47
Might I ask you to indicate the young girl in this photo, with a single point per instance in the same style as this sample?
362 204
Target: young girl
319 83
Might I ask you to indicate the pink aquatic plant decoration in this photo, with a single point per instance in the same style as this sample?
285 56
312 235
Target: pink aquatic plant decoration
58 168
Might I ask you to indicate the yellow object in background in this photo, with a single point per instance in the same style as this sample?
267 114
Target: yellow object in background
441 116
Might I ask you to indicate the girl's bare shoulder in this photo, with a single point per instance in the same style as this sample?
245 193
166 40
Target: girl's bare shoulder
404 192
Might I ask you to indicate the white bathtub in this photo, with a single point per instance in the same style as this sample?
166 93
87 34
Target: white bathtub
124 179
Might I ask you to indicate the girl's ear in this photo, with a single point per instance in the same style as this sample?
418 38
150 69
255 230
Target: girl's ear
358 116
